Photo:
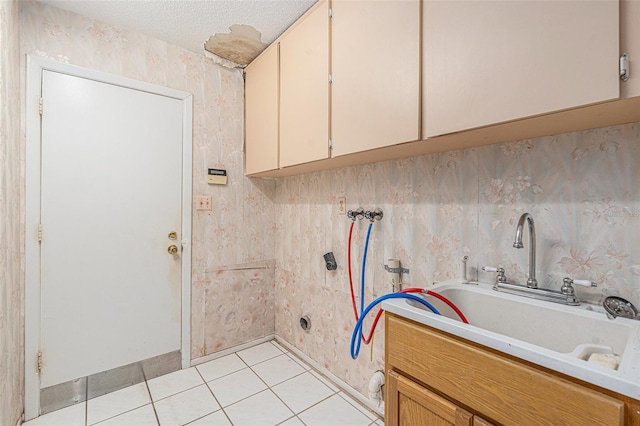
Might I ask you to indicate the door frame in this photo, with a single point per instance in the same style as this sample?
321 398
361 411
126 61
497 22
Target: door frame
35 67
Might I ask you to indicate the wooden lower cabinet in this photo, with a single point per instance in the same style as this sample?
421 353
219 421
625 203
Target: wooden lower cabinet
411 404
434 378
479 421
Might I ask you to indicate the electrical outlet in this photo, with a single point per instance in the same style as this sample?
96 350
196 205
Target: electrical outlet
203 202
342 205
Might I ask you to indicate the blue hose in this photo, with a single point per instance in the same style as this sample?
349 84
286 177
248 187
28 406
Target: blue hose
364 264
355 347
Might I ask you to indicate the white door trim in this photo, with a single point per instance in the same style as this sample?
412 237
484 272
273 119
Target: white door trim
35 66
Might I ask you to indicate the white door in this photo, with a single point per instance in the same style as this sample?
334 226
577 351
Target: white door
111 192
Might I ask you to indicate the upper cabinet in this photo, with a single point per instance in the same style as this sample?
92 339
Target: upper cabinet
359 81
261 112
630 44
488 62
304 89
375 55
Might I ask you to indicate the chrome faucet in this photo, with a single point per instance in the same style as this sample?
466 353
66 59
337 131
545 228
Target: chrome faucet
531 281
566 295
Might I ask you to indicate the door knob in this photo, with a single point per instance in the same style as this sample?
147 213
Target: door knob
173 249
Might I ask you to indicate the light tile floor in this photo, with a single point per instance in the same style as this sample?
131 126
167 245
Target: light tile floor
264 385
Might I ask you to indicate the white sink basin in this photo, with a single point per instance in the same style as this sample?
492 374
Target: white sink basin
549 334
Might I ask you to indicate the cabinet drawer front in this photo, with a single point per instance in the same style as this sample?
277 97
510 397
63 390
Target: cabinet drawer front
498 388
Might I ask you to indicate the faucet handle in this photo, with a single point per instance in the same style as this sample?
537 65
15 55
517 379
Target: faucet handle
500 278
567 285
585 283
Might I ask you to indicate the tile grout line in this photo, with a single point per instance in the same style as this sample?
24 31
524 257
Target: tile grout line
86 402
153 405
214 395
357 407
177 393
281 400
224 375
123 412
290 418
270 388
246 397
338 392
317 403
297 375
306 368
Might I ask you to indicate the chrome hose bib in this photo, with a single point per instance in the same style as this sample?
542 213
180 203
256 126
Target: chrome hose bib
356 214
373 215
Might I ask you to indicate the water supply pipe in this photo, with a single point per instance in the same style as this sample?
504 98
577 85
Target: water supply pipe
355 347
375 389
458 312
364 264
353 297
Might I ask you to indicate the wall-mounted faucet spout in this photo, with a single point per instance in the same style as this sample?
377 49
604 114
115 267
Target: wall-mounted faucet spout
531 281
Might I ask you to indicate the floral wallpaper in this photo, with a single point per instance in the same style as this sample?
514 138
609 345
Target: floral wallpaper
11 276
581 188
257 256
236 304
239 229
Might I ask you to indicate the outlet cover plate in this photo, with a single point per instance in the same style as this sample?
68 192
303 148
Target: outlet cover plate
203 202
342 205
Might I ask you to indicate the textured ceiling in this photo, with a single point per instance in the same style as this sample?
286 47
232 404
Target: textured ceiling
189 23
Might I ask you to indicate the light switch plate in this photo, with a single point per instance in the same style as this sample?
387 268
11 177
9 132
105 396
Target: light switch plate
203 202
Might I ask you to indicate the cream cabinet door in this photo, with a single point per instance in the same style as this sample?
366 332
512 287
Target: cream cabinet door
375 54
630 44
488 62
261 112
304 89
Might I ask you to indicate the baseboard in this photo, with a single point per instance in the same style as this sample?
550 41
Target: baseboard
231 350
339 382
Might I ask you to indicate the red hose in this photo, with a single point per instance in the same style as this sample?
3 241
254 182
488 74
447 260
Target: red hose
353 297
414 290
450 303
379 314
406 290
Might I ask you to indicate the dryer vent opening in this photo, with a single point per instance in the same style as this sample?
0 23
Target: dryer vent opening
305 323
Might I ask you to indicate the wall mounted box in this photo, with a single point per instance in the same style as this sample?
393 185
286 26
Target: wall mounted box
217 177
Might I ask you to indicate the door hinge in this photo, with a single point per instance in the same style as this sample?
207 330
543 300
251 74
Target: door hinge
39 363
330 12
330 77
624 67
40 102
39 232
330 143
